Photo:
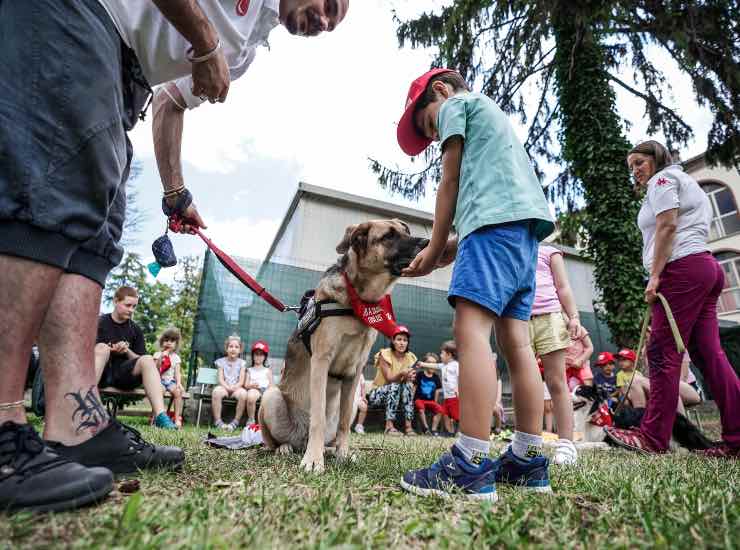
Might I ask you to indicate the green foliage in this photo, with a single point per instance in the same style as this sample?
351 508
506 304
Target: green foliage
594 147
570 53
161 305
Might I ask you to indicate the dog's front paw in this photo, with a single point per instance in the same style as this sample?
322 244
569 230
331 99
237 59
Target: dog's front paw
342 453
313 463
284 449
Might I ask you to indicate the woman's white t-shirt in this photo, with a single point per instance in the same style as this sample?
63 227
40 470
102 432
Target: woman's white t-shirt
450 375
673 188
259 376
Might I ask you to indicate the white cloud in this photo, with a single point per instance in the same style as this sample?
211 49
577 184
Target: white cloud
241 236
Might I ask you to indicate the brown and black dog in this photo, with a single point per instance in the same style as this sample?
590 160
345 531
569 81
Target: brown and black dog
313 405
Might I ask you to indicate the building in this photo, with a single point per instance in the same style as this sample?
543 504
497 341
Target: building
722 185
304 247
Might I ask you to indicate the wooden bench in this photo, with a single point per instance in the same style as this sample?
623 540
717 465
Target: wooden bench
112 398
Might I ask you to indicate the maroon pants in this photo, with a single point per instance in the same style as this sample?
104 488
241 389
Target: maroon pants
692 286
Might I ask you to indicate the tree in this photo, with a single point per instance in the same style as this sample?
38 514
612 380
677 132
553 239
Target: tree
130 272
134 214
572 51
185 305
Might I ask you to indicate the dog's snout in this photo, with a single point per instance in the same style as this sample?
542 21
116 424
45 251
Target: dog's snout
422 243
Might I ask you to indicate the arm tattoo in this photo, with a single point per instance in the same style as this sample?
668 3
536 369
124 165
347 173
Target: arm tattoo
90 413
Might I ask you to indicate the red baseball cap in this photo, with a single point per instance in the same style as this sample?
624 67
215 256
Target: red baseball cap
261 345
627 354
402 329
411 141
604 358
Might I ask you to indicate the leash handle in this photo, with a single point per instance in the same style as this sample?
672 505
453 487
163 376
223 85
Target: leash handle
680 347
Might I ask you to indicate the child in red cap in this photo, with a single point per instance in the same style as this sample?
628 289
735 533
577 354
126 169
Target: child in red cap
491 195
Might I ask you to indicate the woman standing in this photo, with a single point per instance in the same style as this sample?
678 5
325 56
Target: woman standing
392 383
674 220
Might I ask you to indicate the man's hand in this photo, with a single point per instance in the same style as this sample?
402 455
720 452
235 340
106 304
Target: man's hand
191 217
119 347
211 78
424 263
651 290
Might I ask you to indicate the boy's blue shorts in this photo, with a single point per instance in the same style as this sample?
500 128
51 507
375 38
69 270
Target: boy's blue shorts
495 268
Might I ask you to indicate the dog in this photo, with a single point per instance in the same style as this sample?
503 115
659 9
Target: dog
591 414
313 406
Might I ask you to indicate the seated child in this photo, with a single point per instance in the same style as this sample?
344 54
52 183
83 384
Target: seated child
428 386
168 362
627 359
577 371
450 377
361 403
605 378
231 374
259 378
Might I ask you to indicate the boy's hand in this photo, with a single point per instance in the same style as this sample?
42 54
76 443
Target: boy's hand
424 263
449 253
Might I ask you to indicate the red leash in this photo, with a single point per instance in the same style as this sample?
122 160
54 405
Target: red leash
227 261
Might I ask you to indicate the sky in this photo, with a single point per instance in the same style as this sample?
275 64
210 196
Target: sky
314 110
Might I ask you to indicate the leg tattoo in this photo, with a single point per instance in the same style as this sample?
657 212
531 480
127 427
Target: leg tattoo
90 412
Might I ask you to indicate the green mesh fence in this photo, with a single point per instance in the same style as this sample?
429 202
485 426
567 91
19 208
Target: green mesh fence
226 307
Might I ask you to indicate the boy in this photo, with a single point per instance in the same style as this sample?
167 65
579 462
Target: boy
605 377
428 386
627 359
500 214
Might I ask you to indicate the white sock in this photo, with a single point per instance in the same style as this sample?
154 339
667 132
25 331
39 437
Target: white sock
474 450
526 446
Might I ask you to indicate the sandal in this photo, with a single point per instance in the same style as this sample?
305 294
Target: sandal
632 440
392 431
723 450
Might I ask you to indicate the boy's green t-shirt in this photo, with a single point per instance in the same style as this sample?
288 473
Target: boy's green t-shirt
497 182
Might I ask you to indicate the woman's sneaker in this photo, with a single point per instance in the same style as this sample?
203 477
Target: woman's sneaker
532 475
565 453
165 422
451 475
34 478
122 450
233 425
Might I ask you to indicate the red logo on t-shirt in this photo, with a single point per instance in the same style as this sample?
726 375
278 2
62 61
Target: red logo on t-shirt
242 6
661 181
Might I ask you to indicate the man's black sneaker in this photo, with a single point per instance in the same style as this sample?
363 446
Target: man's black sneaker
35 478
122 450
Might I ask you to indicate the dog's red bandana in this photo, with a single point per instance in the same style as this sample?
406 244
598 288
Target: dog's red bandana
602 417
378 315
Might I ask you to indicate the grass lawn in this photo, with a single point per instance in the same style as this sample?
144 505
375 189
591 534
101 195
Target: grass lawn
253 499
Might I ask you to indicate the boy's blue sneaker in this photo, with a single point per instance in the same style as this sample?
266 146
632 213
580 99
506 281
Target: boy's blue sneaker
453 474
531 475
165 422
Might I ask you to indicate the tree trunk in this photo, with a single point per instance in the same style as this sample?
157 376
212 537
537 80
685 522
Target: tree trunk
595 148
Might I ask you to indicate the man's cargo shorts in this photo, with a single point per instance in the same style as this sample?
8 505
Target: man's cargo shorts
65 107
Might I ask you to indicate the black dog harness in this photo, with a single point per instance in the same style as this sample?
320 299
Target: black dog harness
312 311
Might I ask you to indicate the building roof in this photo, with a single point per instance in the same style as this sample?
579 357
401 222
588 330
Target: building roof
381 208
340 198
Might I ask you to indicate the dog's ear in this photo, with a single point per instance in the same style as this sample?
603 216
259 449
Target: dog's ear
343 246
358 238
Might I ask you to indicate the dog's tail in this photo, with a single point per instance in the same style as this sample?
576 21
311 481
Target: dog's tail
688 435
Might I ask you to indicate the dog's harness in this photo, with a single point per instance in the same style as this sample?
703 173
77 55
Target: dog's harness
311 313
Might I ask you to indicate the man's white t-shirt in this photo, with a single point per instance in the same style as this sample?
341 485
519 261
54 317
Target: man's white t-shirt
242 26
450 375
673 188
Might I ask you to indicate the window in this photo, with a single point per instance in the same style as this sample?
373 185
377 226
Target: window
725 218
729 300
